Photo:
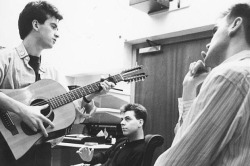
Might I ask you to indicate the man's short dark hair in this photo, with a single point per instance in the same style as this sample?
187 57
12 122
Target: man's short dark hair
241 10
37 10
139 110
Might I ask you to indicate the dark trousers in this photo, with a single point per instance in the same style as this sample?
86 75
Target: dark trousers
38 155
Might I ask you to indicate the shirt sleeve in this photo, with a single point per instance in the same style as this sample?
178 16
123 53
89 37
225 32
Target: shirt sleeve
203 133
98 158
183 107
83 110
4 63
102 157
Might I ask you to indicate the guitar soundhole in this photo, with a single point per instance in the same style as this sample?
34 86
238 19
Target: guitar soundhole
46 112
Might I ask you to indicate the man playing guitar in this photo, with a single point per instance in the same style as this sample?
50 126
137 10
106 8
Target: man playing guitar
21 66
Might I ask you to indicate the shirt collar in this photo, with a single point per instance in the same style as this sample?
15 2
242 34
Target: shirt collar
136 141
239 56
21 51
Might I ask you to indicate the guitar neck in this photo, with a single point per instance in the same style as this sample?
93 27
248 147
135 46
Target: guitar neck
78 93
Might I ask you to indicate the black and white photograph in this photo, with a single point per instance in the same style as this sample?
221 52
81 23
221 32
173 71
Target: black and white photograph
125 83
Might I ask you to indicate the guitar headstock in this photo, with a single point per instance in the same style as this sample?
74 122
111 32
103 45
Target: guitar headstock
134 74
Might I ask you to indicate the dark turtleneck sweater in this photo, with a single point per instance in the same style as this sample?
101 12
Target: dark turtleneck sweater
35 64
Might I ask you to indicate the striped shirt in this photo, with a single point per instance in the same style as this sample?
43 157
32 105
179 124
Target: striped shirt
216 126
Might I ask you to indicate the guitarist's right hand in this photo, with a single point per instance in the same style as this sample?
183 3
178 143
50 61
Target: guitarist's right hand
32 116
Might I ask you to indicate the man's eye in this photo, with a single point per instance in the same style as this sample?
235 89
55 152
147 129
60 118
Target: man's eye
54 27
127 119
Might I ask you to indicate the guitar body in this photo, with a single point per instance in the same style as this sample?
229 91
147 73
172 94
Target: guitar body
62 117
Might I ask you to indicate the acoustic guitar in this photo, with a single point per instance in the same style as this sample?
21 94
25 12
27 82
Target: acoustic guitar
61 110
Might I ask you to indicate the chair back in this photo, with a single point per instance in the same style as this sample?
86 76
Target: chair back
152 141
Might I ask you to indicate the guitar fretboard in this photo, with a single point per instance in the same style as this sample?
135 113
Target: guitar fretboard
77 93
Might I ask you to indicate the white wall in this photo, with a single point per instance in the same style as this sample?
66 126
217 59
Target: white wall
96 35
199 16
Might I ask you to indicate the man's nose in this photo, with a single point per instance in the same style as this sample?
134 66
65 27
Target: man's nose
57 34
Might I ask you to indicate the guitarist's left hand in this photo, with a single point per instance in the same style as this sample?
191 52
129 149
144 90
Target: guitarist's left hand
89 107
105 87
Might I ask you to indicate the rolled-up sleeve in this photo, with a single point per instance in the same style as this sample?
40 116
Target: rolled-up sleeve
183 108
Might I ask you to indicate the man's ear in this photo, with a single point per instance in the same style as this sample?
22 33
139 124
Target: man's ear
235 26
35 25
141 122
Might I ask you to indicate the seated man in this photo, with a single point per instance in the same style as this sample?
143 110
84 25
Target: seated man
126 151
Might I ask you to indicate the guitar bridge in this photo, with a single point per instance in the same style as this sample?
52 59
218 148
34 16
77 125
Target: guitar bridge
8 123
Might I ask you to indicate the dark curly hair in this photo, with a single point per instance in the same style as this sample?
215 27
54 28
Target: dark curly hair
37 10
139 110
